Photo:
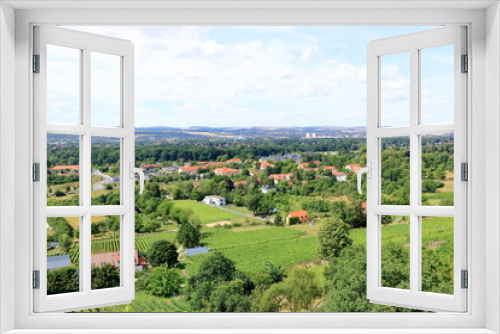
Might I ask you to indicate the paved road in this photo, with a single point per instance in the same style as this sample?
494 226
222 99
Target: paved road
101 184
238 213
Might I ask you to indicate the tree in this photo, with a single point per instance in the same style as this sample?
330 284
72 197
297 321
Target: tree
65 243
300 291
229 297
163 252
176 193
161 281
278 220
107 276
334 235
216 268
189 235
63 280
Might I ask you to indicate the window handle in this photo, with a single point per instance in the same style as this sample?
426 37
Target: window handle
133 171
360 173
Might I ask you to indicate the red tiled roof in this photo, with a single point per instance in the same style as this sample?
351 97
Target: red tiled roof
225 171
280 176
306 164
234 160
354 166
112 258
188 169
244 183
150 165
337 173
265 164
63 167
302 214
329 167
215 164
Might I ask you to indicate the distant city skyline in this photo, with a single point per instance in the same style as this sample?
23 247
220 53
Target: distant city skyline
257 76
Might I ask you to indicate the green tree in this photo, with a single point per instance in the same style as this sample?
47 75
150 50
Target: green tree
161 281
229 297
216 268
63 280
107 276
278 220
333 236
65 243
163 252
300 291
189 234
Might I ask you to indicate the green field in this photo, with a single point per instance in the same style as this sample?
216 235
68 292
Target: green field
207 214
146 303
142 243
224 239
253 258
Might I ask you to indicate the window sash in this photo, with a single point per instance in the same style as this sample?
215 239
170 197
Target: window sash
86 297
414 298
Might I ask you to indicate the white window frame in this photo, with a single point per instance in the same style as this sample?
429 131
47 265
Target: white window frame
483 100
413 43
86 44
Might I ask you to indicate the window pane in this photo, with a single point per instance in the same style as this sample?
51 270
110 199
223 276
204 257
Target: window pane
63 170
105 258
105 89
63 85
437 84
395 89
63 269
437 254
437 169
395 252
395 171
105 171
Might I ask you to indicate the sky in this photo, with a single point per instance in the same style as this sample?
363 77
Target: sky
253 76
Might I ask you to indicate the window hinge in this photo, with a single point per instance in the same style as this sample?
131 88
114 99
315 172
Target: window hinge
36 172
36 279
465 64
36 63
465 279
464 171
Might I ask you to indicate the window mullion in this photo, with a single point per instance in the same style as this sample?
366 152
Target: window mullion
414 171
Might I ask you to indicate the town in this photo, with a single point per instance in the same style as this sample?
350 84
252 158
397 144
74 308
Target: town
268 220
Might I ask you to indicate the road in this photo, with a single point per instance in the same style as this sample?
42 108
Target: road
101 184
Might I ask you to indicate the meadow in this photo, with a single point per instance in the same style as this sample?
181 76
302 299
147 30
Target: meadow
207 214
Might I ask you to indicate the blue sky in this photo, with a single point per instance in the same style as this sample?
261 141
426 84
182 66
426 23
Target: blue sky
264 76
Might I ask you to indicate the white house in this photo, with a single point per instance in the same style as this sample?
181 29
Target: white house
214 200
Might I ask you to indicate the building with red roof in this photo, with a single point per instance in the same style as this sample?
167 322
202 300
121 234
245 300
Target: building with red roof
113 258
301 215
227 171
234 161
353 168
66 167
189 170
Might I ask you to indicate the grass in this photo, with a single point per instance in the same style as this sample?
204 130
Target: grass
241 209
206 214
146 303
224 239
253 258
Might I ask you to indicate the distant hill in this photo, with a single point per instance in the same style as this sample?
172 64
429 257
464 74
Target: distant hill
165 132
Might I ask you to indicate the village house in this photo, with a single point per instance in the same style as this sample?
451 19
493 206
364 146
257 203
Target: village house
113 258
281 177
341 177
267 189
65 167
240 184
264 164
214 164
354 168
170 170
234 161
147 167
214 200
227 171
305 165
189 170
301 215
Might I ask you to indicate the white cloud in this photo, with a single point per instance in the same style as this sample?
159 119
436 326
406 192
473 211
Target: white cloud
309 52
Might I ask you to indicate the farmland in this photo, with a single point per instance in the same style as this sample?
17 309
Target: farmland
207 214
